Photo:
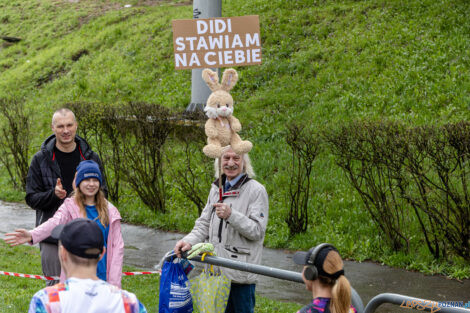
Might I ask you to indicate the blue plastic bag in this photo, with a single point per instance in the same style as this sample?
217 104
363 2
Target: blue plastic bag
175 296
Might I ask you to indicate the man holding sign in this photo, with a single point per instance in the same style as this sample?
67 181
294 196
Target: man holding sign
235 217
50 178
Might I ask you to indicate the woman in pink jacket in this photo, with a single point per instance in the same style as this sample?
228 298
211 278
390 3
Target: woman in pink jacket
87 200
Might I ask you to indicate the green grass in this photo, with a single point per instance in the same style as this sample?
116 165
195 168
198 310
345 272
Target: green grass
324 62
17 292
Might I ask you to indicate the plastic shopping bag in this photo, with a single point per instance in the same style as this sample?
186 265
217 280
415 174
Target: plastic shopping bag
175 296
210 292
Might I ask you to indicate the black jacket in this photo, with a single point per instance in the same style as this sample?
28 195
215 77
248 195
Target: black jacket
42 177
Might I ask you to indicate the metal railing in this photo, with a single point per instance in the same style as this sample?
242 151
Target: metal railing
392 298
271 272
411 303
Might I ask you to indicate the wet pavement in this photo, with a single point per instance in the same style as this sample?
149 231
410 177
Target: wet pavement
145 247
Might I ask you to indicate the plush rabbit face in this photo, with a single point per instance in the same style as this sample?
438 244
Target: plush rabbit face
220 103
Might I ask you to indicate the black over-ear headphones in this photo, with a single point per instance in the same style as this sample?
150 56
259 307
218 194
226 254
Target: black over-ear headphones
311 271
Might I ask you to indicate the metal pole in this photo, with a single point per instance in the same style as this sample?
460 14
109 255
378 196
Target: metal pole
410 303
271 272
199 90
252 268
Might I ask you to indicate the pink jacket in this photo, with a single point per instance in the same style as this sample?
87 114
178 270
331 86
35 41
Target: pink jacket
68 211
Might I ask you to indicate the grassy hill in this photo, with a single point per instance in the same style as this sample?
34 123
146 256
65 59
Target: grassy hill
323 62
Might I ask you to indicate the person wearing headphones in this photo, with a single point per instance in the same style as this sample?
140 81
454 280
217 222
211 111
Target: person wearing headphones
323 275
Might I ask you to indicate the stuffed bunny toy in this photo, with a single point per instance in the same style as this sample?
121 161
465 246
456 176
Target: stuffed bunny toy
222 127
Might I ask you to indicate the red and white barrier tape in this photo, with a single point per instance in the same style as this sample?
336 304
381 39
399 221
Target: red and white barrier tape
57 278
141 273
29 276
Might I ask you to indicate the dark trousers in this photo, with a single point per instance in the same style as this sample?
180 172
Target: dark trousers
241 298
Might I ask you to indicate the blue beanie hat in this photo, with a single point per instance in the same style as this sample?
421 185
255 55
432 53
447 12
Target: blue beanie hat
88 169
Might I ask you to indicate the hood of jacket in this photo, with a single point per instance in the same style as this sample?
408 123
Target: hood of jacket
48 146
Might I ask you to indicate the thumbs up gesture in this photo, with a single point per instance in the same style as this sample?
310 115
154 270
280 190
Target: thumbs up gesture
59 190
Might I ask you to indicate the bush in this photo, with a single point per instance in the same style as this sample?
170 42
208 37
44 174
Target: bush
192 174
129 139
144 129
438 161
15 140
395 168
371 155
305 146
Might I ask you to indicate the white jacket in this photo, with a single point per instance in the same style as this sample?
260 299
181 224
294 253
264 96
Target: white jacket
242 234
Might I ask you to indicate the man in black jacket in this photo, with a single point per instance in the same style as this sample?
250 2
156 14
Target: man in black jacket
50 179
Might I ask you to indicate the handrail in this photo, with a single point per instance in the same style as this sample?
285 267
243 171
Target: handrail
252 268
393 298
411 303
271 272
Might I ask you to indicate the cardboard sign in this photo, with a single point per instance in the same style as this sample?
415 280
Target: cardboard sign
217 42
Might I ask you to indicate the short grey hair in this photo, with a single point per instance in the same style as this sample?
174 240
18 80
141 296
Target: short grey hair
63 112
247 168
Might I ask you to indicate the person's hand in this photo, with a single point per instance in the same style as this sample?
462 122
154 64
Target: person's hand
223 210
18 237
59 190
181 246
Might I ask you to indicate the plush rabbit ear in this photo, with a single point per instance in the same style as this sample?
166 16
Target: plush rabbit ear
211 78
229 79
